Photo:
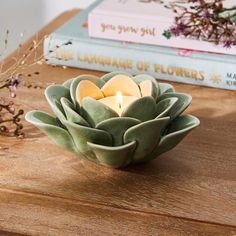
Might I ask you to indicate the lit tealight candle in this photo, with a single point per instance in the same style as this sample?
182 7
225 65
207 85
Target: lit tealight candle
119 99
119 102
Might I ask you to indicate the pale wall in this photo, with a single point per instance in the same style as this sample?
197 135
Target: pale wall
29 16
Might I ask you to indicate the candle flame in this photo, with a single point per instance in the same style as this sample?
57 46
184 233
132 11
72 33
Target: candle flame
119 99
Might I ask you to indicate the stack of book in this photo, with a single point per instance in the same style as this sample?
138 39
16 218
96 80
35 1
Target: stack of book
127 35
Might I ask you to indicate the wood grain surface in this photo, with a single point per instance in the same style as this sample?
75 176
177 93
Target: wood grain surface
190 190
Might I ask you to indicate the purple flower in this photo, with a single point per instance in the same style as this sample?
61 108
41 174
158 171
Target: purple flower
178 29
15 81
181 26
175 31
227 43
206 14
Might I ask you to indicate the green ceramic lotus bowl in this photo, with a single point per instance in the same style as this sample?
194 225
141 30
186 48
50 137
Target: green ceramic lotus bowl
148 127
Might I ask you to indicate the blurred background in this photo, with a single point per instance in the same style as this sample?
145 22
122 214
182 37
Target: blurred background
29 16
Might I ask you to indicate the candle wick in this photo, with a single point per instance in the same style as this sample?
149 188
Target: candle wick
120 105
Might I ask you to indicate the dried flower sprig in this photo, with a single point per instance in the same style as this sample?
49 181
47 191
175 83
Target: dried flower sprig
8 115
14 76
205 20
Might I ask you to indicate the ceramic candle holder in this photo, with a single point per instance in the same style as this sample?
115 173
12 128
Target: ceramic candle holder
115 120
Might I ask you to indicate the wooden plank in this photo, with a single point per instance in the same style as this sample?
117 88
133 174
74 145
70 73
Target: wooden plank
196 180
5 233
40 215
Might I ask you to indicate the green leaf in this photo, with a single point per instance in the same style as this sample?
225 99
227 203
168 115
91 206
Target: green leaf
71 114
164 106
67 83
167 34
178 129
49 126
95 112
147 136
179 106
115 157
166 88
142 109
53 94
116 127
81 135
233 18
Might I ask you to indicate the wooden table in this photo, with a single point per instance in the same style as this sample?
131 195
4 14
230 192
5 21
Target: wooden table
190 190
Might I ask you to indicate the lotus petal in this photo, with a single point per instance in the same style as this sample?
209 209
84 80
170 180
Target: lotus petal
53 94
121 83
68 83
72 115
81 135
164 106
94 111
87 88
49 126
166 88
110 75
155 86
60 124
182 103
113 156
142 109
146 88
178 129
116 127
147 135
73 88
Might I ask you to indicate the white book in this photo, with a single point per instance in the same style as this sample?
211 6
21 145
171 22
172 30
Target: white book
179 65
145 21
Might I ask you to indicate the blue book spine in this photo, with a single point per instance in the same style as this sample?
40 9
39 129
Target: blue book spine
177 68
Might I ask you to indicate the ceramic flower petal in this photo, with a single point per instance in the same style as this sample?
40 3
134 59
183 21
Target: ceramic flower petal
68 83
53 94
147 136
87 88
164 106
155 86
49 126
121 83
81 135
110 75
87 121
116 127
181 104
142 109
166 88
71 114
73 88
115 157
95 111
178 129
146 88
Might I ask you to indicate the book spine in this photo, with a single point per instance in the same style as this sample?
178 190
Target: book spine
145 31
162 66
